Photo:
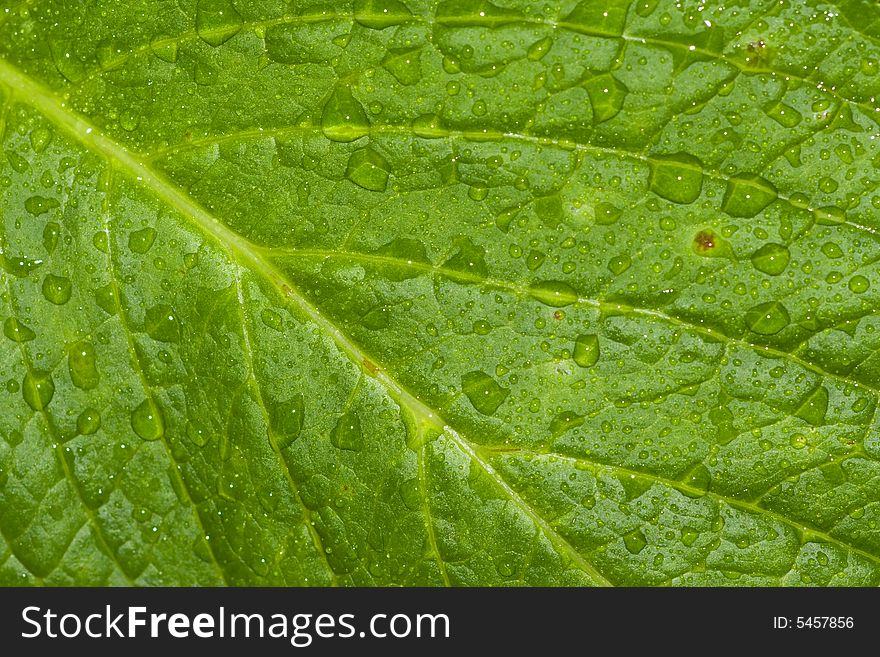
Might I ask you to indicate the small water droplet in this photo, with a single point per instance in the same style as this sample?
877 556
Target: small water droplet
272 319
565 421
51 233
859 284
286 420
37 205
539 49
635 541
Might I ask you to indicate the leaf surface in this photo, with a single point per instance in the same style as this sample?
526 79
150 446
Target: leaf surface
439 293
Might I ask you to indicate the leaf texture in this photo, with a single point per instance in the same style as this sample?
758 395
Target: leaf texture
439 293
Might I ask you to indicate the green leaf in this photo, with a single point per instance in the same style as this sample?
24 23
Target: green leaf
439 293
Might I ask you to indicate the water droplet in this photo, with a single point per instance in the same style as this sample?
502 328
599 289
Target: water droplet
164 47
347 433
344 118
635 541
606 94
140 241
197 435
535 259
88 422
814 407
37 205
689 535
51 233
483 391
772 258
767 318
38 388
40 138
554 293
478 192
379 14
18 266
272 319
859 284
607 214
16 331
286 420
482 327
677 178
147 422
82 362
428 126
540 48
832 250
565 421
586 350
217 21
784 115
367 169
17 162
619 264
57 289
161 323
829 216
747 194
404 64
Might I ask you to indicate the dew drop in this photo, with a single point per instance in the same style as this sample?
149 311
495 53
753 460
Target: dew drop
16 331
859 284
404 64
607 95
347 433
428 126
197 435
37 205
51 233
554 293
272 319
586 350
88 422
747 194
343 118
635 541
483 391
677 177
771 259
767 318
57 289
83 366
539 49
619 264
814 407
379 14
565 421
369 170
217 21
147 422
161 323
140 241
38 388
164 47
286 420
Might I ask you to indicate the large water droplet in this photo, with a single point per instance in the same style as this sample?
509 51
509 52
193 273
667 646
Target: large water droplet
596 18
164 47
747 194
677 177
771 258
404 64
607 94
483 391
540 48
379 14
554 293
344 118
468 264
217 21
767 318
367 169
586 350
140 241
147 422
37 205
83 365
16 331
161 323
38 388
51 233
57 289
814 407
347 433
564 422
286 419
88 422
635 541
18 266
